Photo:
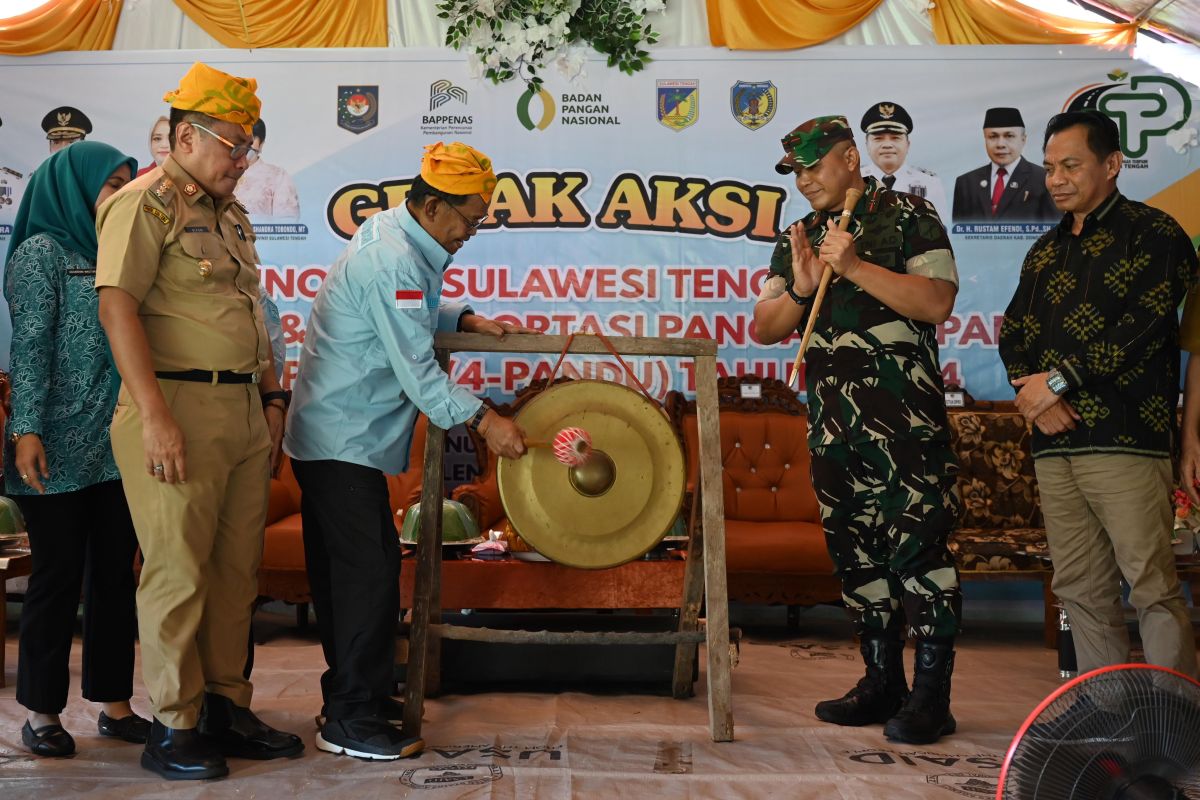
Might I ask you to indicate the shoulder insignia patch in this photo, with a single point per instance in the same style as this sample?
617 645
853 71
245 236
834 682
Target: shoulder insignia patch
162 187
163 218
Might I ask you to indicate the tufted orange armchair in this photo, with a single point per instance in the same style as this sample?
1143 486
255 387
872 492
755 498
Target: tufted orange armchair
282 575
774 544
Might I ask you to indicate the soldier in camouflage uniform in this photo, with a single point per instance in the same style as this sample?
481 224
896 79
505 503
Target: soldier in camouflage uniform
882 466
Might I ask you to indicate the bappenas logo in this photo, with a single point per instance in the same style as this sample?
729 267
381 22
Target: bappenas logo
1143 107
547 110
443 91
441 124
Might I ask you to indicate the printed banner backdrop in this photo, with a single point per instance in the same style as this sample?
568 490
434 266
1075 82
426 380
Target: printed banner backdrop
633 205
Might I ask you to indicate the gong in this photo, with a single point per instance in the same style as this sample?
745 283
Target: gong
618 504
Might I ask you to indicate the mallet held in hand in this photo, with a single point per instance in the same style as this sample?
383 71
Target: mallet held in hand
852 197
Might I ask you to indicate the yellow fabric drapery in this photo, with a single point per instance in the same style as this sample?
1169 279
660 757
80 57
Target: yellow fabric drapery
291 23
61 25
1009 22
782 24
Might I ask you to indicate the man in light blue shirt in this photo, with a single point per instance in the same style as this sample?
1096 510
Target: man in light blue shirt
366 370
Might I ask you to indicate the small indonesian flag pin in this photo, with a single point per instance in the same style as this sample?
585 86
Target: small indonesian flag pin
409 298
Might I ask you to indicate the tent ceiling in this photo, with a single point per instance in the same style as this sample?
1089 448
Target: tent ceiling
1178 17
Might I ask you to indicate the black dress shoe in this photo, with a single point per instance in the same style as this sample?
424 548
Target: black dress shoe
181 754
48 740
132 728
236 732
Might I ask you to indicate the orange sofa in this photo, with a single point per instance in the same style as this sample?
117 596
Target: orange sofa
282 575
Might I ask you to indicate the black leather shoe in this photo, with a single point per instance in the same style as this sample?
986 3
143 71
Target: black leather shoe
48 740
181 754
132 728
880 693
237 733
926 716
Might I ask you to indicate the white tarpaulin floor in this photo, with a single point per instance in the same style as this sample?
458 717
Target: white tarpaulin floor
579 745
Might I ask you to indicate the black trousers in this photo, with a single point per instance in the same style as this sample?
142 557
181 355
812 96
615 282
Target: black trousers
79 540
352 555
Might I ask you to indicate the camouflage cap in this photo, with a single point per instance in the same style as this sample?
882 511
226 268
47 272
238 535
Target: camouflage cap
810 141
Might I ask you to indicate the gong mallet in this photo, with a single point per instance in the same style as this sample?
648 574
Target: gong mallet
572 446
852 196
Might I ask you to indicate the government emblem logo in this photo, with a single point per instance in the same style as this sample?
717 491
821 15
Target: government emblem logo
678 103
358 108
753 104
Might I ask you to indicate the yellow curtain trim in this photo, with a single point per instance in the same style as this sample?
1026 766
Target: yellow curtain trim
1010 22
61 25
782 24
291 23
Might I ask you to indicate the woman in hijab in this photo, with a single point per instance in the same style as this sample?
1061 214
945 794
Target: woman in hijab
58 462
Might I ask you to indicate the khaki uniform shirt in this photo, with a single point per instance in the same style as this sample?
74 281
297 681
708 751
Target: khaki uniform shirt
190 261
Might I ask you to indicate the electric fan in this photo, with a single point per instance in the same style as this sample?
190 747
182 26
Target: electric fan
1129 732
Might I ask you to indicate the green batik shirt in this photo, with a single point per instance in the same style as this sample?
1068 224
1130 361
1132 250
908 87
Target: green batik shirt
64 383
872 373
1101 307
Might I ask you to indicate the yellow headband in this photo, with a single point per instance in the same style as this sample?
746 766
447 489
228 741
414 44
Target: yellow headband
217 94
460 169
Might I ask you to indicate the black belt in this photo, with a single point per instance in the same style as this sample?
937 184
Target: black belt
209 376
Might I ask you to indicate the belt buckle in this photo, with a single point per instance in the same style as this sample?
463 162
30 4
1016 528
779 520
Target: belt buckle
253 377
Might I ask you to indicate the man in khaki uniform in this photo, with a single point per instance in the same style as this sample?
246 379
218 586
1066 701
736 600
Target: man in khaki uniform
197 426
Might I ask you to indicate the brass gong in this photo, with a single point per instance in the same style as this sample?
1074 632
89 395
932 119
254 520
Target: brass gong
611 509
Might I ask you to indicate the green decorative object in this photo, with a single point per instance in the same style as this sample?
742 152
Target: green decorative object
510 38
458 526
11 521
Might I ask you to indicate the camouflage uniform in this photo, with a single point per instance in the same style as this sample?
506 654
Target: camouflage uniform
882 466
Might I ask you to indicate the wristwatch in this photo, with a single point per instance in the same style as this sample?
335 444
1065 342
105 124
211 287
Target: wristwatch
283 394
797 298
1056 382
477 418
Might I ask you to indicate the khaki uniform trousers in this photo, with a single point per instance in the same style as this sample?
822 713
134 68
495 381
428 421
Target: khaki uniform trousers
201 542
1108 516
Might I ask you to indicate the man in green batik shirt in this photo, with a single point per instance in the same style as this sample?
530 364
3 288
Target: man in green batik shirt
882 466
1091 341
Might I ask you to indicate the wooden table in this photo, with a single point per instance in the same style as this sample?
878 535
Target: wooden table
15 565
704 570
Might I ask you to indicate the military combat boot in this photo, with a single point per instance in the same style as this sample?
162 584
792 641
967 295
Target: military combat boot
880 693
926 716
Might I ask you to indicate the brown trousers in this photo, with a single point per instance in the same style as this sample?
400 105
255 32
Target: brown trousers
1109 517
201 542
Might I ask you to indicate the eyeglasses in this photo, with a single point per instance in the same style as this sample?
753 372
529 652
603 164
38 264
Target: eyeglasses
236 151
472 225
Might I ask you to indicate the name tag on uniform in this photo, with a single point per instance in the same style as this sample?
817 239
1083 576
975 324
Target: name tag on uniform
196 229
409 299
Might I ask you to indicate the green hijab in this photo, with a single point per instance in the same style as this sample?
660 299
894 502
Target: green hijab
61 197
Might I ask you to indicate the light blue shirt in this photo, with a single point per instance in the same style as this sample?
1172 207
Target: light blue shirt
367 366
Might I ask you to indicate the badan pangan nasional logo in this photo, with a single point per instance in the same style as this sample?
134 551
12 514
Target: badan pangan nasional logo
1143 106
525 109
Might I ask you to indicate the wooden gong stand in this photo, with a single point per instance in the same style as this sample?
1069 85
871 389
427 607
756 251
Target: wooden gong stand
702 579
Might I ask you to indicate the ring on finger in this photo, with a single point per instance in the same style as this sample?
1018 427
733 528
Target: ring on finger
24 476
159 467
